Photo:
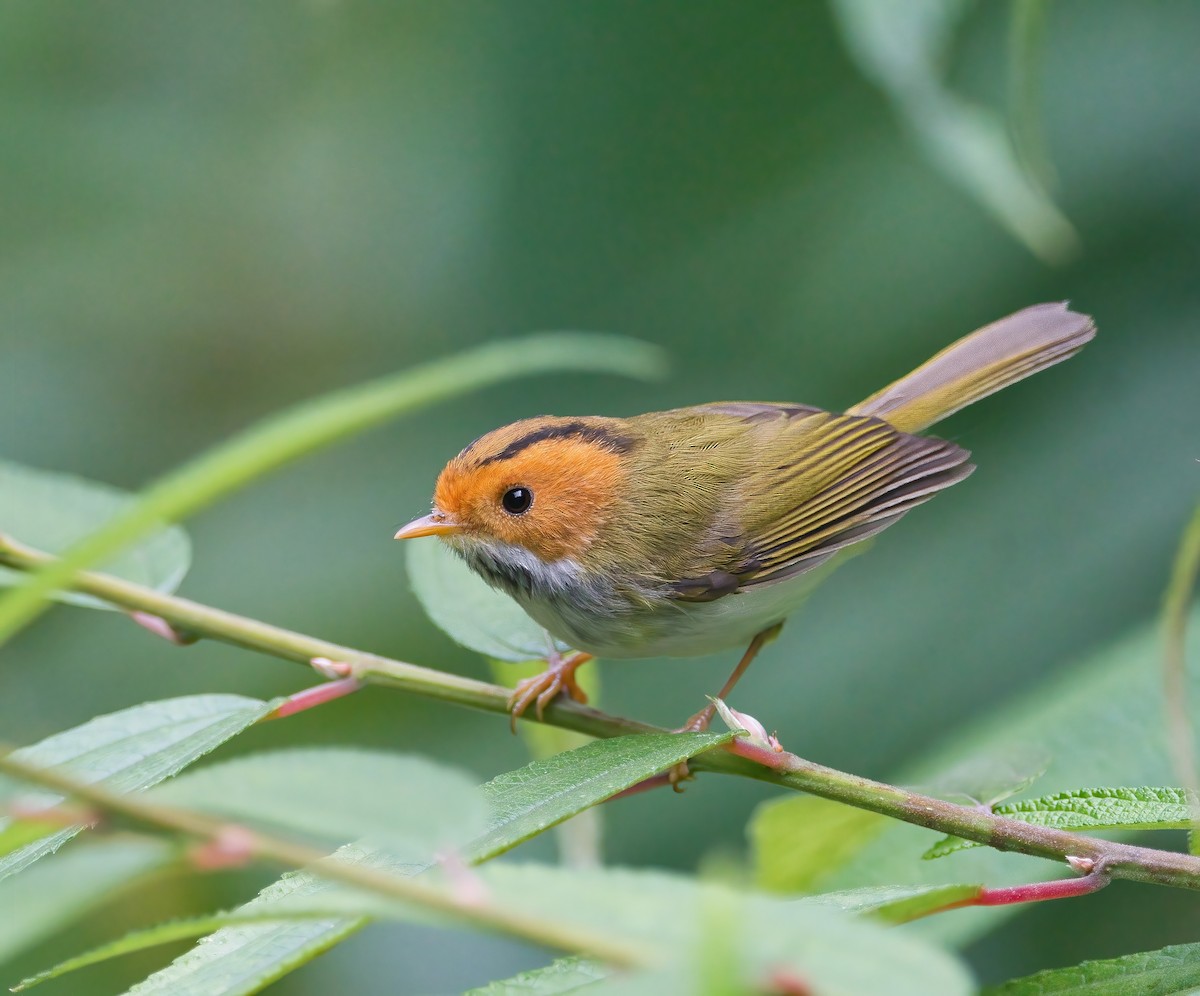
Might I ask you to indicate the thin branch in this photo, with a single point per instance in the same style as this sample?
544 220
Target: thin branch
1125 861
254 845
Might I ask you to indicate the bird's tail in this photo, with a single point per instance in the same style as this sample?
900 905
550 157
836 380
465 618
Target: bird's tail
980 364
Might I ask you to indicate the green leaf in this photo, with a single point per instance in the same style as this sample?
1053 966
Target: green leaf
1174 969
69 884
1145 808
409 805
312 425
532 799
666 912
53 512
244 958
523 802
985 781
469 610
903 48
580 840
127 751
561 976
798 840
1177 600
655 911
134 941
896 903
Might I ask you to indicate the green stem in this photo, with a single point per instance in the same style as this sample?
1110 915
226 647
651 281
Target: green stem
203 620
550 933
1141 864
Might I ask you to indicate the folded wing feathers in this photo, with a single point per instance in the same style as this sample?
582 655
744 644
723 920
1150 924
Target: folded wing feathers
894 472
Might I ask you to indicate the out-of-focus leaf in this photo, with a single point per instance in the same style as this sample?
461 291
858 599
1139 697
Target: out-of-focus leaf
1026 54
1179 596
661 912
53 512
66 886
563 975
314 424
409 805
136 940
895 904
1100 721
1170 970
247 957
902 48
469 610
666 912
985 781
523 802
798 840
1145 808
129 750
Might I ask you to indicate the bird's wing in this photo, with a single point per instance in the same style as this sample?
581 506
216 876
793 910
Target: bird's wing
757 411
822 483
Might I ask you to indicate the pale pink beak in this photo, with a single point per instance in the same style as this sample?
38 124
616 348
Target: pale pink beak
433 524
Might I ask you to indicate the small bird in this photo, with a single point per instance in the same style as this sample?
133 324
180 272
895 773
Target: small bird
683 532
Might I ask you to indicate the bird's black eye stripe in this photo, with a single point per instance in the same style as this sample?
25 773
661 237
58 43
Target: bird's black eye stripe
516 500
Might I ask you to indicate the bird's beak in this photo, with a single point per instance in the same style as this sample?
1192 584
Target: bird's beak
433 524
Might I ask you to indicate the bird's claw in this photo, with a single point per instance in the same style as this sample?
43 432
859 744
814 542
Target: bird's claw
542 689
681 773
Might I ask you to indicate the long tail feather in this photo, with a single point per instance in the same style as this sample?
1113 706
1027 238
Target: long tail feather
980 364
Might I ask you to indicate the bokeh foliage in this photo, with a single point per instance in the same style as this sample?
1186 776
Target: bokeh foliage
215 210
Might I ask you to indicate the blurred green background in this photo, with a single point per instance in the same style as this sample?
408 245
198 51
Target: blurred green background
213 210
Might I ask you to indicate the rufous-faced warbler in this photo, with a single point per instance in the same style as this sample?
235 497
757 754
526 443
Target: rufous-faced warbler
683 532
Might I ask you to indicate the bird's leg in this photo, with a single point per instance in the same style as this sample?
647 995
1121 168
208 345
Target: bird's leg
699 722
559 676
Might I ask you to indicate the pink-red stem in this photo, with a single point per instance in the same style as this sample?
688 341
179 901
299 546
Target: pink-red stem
310 698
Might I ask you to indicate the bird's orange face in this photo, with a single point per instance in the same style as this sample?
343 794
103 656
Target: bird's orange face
547 485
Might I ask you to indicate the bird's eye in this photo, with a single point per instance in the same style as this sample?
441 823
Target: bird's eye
516 500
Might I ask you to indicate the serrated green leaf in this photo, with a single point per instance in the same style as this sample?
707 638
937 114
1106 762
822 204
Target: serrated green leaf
798 840
895 903
407 805
53 512
1168 971
561 976
471 612
246 957
543 793
314 424
1145 808
66 886
947 845
903 48
127 751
